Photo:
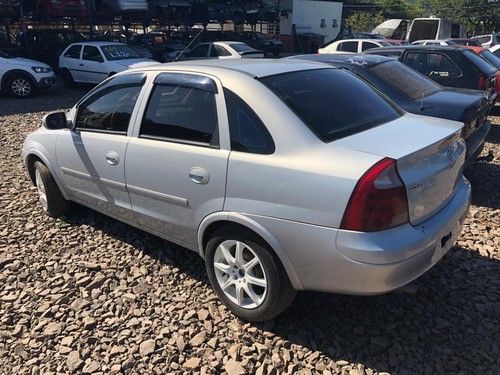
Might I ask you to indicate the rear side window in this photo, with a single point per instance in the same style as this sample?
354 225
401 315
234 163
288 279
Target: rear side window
485 67
348 46
406 80
331 102
248 133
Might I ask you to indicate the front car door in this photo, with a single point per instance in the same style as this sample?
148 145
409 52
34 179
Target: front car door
93 66
92 156
175 167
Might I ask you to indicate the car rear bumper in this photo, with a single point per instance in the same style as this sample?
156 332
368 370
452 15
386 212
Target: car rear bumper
337 261
475 142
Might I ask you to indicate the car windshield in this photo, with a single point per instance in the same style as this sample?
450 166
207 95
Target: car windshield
120 52
240 47
321 99
492 59
484 65
409 82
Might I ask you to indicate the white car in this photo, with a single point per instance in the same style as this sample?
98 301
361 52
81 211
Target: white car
22 77
282 174
223 50
353 45
93 62
434 42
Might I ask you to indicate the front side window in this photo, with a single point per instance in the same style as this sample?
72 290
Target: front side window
199 51
219 51
181 112
368 45
91 53
109 107
331 102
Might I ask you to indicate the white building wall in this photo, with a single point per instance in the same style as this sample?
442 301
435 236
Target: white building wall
319 17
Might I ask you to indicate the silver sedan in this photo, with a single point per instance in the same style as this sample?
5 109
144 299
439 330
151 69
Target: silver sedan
282 175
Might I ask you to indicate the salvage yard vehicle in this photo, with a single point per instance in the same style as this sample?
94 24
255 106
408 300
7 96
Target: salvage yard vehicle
22 77
456 66
93 62
352 45
222 50
283 175
418 94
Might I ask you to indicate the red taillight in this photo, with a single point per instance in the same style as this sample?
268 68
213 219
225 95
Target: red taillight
379 200
483 83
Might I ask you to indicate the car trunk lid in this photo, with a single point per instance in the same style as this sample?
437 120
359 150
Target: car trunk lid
429 152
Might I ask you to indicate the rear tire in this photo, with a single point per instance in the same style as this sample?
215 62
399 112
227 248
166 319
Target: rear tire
246 275
53 202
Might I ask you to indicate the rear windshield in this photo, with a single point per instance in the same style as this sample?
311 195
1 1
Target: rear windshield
331 102
408 81
492 59
483 65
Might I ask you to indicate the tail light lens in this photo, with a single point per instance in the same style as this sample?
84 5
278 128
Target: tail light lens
483 83
379 200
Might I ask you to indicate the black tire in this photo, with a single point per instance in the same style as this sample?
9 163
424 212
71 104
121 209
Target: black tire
53 202
67 78
20 86
270 298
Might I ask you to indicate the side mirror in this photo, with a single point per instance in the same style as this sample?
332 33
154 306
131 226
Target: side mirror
56 120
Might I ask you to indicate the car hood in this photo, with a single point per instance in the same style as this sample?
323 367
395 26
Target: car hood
454 104
136 63
24 62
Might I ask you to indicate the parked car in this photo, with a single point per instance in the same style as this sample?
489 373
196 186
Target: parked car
109 9
453 66
352 45
488 40
23 77
170 12
7 44
92 62
362 36
434 42
48 10
464 41
283 175
417 94
222 50
47 44
259 41
495 50
493 60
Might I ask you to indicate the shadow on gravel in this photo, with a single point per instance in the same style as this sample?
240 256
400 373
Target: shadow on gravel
493 135
485 183
56 98
400 332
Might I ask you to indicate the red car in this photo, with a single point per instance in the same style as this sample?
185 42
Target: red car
48 9
493 60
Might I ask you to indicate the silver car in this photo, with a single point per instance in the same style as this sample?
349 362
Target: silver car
283 175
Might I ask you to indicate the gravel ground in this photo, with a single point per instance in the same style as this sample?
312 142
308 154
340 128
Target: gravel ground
88 294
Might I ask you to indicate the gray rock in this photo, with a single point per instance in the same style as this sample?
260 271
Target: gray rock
73 361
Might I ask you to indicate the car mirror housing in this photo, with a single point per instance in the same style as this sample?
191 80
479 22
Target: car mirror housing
56 120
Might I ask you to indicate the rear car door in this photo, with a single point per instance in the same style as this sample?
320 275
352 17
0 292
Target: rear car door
175 167
91 157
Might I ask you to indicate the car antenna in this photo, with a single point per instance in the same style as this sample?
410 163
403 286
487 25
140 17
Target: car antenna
422 108
187 47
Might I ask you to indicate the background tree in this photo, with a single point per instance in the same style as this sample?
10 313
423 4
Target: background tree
364 22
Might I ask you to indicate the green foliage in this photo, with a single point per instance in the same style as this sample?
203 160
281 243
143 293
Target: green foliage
364 22
403 9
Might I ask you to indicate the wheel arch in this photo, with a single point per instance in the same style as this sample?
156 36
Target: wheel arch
29 162
234 220
7 76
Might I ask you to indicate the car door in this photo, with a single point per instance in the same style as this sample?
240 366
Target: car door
91 157
175 167
93 65
71 60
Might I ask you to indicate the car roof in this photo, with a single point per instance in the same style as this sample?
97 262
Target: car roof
361 40
357 59
101 43
420 47
252 67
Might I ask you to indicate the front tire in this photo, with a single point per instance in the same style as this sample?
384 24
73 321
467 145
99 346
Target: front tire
67 78
20 86
53 202
247 276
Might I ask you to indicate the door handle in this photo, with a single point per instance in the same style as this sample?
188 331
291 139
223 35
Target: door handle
112 158
199 175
